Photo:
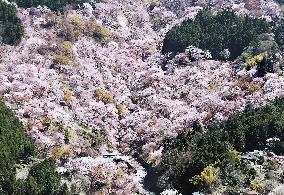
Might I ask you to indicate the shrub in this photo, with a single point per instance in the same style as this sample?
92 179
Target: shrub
68 96
263 63
77 26
67 47
207 177
61 152
98 138
61 59
264 66
71 29
64 56
257 186
121 108
69 134
261 54
226 30
11 30
97 31
154 3
68 31
106 97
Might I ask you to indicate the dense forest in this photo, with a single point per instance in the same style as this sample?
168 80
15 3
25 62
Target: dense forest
218 149
226 30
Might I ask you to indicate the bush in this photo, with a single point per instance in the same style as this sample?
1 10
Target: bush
226 30
61 59
257 186
264 66
106 97
11 30
207 177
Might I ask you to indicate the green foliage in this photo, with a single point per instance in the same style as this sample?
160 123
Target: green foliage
250 130
104 96
257 186
189 154
7 12
42 180
11 30
260 53
208 177
264 66
26 187
55 5
46 176
279 34
226 30
64 190
14 145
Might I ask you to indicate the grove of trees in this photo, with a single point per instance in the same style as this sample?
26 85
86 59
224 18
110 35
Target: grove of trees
191 153
15 146
218 32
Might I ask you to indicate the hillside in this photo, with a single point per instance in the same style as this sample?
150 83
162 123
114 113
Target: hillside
113 90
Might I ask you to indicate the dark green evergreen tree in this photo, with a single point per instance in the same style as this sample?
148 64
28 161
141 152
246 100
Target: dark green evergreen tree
14 145
11 30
